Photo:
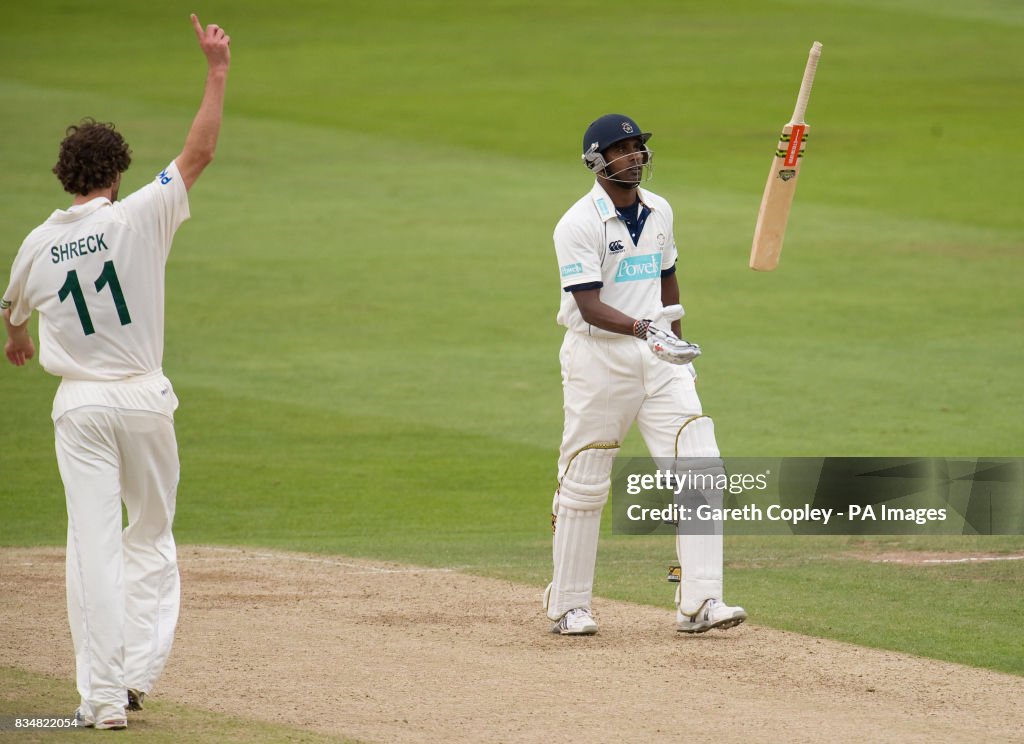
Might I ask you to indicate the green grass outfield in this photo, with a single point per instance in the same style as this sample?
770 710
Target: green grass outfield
361 311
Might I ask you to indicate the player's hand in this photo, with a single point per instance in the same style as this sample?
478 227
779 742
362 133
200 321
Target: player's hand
665 346
19 349
216 44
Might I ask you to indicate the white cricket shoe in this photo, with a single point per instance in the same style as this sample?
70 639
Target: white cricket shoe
712 614
86 720
577 621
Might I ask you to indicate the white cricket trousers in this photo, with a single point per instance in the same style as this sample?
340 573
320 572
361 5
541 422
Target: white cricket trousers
122 586
608 383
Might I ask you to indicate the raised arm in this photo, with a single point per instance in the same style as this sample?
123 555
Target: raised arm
202 137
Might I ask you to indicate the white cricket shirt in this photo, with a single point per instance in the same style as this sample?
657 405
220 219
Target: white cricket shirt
95 273
594 249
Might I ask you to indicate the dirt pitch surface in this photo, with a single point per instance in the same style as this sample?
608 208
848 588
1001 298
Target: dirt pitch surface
391 653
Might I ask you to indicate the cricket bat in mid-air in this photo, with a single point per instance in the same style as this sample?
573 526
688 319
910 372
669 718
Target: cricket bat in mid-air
778 192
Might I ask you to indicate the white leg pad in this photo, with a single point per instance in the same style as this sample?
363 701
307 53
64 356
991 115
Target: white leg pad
701 559
700 555
581 495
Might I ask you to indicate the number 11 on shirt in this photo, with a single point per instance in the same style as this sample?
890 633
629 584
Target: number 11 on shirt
108 278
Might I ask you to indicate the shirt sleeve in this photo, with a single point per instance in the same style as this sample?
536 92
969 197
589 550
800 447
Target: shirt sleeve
15 296
671 253
158 208
579 260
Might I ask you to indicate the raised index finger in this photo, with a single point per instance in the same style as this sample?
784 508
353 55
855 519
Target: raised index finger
197 27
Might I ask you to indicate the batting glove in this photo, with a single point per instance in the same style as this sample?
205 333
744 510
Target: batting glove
669 314
665 346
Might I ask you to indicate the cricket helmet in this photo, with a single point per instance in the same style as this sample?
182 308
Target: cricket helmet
605 132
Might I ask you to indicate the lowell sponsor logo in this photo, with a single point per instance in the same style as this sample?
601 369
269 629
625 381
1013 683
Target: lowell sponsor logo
635 268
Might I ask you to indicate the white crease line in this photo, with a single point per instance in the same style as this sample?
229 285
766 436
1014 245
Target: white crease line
953 560
968 560
362 569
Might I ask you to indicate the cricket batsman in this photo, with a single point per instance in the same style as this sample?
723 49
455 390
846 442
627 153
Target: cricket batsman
95 273
622 361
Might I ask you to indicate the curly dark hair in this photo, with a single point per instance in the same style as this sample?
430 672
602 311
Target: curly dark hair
91 157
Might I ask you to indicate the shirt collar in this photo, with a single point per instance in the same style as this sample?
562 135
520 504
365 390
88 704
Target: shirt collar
604 205
78 211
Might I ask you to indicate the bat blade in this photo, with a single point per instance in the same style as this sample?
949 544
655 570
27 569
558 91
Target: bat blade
777 199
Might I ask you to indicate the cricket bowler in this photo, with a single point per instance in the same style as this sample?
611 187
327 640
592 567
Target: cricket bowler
95 273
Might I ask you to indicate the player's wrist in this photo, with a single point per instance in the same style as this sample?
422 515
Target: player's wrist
640 327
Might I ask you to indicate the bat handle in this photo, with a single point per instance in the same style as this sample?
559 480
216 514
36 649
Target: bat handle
805 86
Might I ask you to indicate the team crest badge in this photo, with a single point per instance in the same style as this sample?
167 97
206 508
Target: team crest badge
661 240
627 127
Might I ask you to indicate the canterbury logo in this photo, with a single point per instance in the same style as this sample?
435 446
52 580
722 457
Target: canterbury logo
615 246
